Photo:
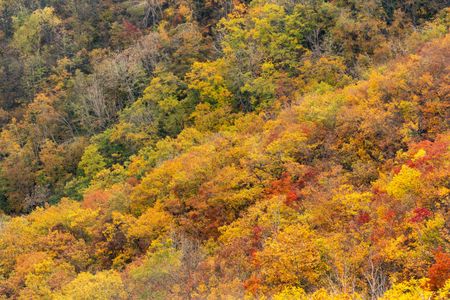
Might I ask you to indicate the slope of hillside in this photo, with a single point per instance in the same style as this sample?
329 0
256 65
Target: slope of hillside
269 150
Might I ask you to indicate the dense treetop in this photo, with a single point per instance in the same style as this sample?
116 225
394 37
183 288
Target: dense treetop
259 149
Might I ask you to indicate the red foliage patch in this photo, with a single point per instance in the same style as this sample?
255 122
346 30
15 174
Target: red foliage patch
252 284
285 186
363 218
421 214
396 169
434 152
439 272
390 215
291 196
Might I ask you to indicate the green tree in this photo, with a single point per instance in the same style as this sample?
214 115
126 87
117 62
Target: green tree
92 161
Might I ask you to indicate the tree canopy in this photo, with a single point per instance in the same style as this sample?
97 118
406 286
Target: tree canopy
224 149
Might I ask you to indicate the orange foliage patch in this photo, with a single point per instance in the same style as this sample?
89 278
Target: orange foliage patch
439 272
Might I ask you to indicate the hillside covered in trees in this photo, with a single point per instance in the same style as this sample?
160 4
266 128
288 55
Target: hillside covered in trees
256 149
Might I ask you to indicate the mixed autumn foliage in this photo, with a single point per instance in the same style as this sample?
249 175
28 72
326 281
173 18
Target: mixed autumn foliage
259 149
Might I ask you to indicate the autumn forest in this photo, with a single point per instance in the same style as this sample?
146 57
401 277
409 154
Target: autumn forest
225 149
